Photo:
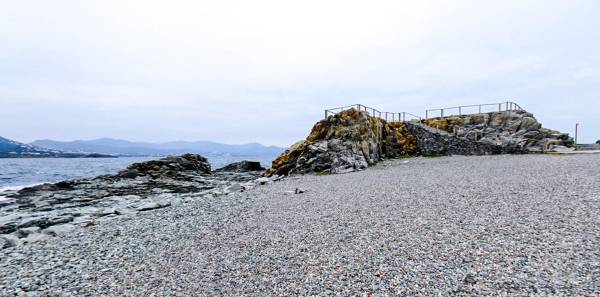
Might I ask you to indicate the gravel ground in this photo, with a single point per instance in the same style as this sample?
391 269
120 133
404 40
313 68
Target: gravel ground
501 225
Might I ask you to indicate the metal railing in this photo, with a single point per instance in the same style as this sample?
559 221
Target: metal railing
470 109
388 116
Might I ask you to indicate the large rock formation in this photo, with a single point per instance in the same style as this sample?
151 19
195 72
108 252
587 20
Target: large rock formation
348 141
173 167
509 132
353 140
435 142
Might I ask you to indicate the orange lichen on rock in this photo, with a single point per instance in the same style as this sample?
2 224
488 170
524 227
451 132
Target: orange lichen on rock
446 124
350 140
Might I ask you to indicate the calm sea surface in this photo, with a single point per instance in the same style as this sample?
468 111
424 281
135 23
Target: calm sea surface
16 173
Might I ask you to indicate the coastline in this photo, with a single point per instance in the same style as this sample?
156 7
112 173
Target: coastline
395 228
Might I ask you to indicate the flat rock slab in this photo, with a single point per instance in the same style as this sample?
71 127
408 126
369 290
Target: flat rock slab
154 205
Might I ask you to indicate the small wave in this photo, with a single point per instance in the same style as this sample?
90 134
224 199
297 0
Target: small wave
17 188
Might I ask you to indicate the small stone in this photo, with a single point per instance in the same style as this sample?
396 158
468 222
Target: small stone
234 188
263 180
57 230
154 205
106 212
24 232
37 237
8 240
470 279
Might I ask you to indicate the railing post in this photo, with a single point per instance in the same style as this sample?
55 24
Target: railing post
325 114
479 108
460 110
403 116
499 107
442 113
426 114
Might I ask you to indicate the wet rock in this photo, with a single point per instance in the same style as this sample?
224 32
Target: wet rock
175 166
243 166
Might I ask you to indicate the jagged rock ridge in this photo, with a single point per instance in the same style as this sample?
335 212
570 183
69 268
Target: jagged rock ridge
509 131
141 187
348 141
353 140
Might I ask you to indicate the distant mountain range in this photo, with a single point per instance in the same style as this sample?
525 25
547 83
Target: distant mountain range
129 148
14 149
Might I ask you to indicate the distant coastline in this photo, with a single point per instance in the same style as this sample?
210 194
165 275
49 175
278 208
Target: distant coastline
52 155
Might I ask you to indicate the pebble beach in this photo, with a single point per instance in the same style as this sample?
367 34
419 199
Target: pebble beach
450 226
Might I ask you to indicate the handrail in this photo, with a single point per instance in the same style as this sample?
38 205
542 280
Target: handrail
403 116
388 116
502 106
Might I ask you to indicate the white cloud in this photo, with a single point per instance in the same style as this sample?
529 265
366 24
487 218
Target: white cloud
241 71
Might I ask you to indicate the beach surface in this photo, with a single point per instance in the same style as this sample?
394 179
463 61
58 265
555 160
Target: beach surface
485 225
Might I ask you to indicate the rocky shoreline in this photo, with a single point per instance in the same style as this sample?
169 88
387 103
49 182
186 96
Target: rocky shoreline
33 214
505 225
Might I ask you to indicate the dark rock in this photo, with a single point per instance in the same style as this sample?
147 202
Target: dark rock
38 188
243 166
64 185
8 227
513 131
435 142
470 279
172 167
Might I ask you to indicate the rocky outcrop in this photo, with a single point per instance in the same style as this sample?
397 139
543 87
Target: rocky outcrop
243 166
173 167
29 213
511 131
435 142
352 140
348 141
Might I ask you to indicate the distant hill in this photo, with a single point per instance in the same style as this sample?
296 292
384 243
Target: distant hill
14 149
129 148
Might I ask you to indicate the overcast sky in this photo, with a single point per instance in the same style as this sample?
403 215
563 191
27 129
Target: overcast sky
263 71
